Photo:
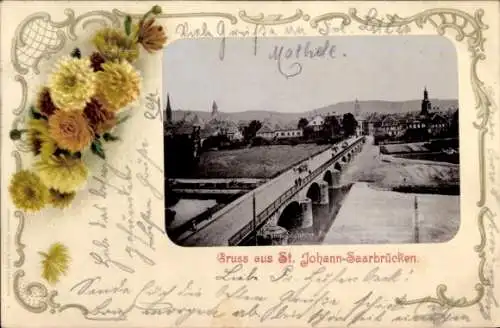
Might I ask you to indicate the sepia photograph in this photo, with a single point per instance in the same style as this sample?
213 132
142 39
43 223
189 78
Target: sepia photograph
311 141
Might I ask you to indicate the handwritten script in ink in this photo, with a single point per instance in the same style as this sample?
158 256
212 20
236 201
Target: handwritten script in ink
289 60
153 108
307 297
119 212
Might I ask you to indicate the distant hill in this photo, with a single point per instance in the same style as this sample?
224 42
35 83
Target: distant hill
288 119
385 107
272 118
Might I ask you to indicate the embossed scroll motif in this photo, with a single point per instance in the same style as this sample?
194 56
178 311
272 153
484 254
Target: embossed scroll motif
38 37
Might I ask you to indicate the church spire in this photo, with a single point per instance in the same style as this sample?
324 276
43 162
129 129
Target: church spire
426 104
357 108
215 109
168 110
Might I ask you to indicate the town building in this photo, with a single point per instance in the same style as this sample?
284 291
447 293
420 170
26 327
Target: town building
268 133
316 123
438 125
422 126
182 143
288 133
233 133
369 125
361 121
265 132
391 126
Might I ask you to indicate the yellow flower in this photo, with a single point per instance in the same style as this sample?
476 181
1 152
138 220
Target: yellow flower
72 84
55 262
118 85
62 173
28 191
70 130
114 44
39 138
61 200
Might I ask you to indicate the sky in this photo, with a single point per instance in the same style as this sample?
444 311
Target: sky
393 68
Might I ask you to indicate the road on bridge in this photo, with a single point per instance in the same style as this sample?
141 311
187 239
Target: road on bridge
237 215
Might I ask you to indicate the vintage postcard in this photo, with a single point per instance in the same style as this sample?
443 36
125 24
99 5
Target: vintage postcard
250 164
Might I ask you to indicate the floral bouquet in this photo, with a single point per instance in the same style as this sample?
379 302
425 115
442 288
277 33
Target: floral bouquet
78 110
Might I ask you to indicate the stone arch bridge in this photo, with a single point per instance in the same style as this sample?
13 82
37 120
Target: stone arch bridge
288 201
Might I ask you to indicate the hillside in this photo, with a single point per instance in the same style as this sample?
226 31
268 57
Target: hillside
386 107
282 119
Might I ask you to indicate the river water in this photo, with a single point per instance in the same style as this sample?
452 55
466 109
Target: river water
186 209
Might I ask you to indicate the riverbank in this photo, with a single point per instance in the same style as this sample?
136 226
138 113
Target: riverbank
397 200
254 162
386 172
366 218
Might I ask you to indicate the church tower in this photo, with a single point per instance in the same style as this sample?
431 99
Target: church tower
168 110
215 109
426 104
357 108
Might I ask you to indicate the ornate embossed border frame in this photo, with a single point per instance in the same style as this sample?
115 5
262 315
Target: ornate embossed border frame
442 19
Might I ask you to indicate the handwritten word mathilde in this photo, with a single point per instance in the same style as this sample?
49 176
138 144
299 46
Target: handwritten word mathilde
280 54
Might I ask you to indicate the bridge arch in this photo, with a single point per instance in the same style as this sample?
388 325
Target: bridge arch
349 157
314 193
291 217
328 178
344 159
337 167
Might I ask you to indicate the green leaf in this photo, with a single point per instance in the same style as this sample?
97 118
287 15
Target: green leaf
109 137
128 24
63 152
123 119
35 114
97 149
76 53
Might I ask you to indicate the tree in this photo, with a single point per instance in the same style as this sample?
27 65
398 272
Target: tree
302 123
308 132
331 127
250 131
454 124
349 124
